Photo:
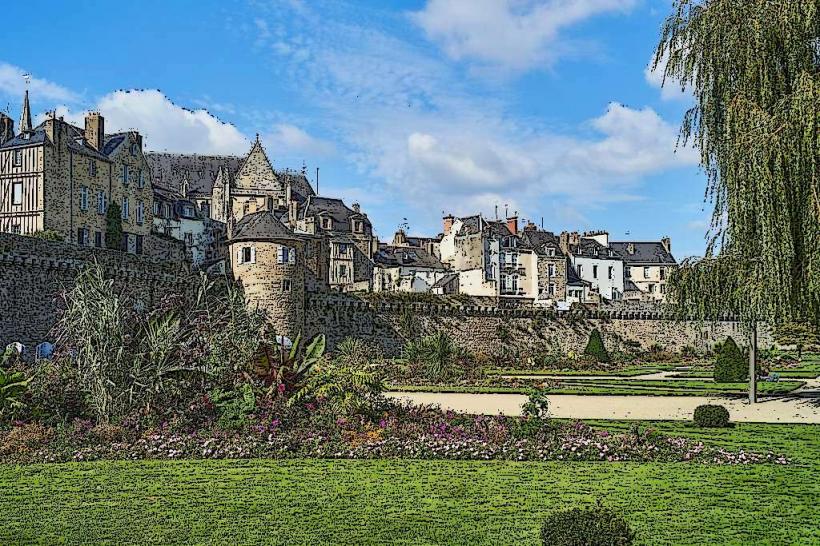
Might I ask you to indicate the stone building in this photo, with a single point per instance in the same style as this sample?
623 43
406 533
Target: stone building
551 265
595 262
181 219
647 267
268 260
428 244
62 178
406 269
348 235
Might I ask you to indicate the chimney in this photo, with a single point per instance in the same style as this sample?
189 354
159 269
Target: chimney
6 128
530 227
667 244
630 248
95 130
357 208
512 224
448 224
400 239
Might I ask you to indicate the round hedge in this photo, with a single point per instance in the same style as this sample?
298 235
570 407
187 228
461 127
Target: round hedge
596 526
709 415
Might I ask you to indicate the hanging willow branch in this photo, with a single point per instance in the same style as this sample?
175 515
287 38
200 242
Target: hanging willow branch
754 69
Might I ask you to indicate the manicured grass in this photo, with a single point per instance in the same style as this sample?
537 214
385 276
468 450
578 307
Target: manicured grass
417 502
628 372
614 387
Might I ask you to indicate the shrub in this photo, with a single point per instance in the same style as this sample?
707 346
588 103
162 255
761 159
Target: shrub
537 406
730 364
25 439
13 386
346 387
595 347
55 395
586 527
709 415
233 407
437 354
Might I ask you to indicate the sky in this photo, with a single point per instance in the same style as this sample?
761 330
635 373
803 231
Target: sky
414 109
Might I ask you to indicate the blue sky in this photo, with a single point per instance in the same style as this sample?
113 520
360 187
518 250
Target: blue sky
544 107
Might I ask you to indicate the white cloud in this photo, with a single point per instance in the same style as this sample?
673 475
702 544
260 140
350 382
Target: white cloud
13 83
670 89
515 34
286 139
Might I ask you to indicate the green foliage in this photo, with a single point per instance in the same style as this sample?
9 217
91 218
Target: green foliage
286 371
13 385
730 364
597 526
233 406
801 335
708 415
537 405
48 235
595 347
752 67
438 355
347 387
113 226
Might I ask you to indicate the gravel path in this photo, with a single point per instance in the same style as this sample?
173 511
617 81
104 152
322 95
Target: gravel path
790 409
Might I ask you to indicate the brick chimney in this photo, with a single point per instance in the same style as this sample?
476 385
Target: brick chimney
357 208
400 238
530 227
95 130
512 224
567 240
448 224
667 244
6 128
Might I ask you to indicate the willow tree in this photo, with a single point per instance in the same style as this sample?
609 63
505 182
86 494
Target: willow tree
753 67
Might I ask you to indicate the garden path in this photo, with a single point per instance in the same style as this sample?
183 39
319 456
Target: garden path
653 376
788 409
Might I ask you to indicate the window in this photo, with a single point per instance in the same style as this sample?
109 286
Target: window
167 210
663 289
550 270
16 229
140 212
92 167
285 255
551 289
550 252
125 174
286 285
82 236
189 238
326 223
594 271
18 158
156 208
101 202
188 211
663 273
270 203
17 193
98 239
83 197
138 245
125 208
124 243
343 270
609 272
134 149
628 272
357 226
580 270
651 288
514 286
247 255
140 179
645 272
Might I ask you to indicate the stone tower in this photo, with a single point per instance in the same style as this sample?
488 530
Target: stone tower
268 260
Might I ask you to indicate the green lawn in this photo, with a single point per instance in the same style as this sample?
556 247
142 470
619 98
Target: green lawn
416 502
616 387
631 371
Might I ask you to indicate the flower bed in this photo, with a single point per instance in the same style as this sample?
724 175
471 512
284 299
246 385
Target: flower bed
396 432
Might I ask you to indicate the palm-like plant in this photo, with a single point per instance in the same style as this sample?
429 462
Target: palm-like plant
12 386
286 370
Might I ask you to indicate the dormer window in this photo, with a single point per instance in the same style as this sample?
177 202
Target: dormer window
134 149
551 252
358 226
326 223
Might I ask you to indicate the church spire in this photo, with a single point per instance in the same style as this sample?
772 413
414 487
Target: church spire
25 117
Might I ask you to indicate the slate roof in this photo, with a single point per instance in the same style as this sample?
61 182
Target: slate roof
572 277
470 225
541 240
402 256
590 248
445 280
333 208
112 142
170 170
261 226
75 142
421 241
37 137
652 252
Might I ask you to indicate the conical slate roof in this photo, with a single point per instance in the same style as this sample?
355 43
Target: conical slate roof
262 226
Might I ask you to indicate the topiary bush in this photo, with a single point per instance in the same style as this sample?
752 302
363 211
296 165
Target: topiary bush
730 364
586 527
713 416
595 347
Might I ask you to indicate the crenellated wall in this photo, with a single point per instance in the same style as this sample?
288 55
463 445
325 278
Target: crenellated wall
486 330
33 273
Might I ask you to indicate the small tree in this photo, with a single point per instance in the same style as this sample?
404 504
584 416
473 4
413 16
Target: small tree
801 335
730 364
113 227
595 347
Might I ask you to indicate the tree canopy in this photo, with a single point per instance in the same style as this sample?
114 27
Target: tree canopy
753 67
